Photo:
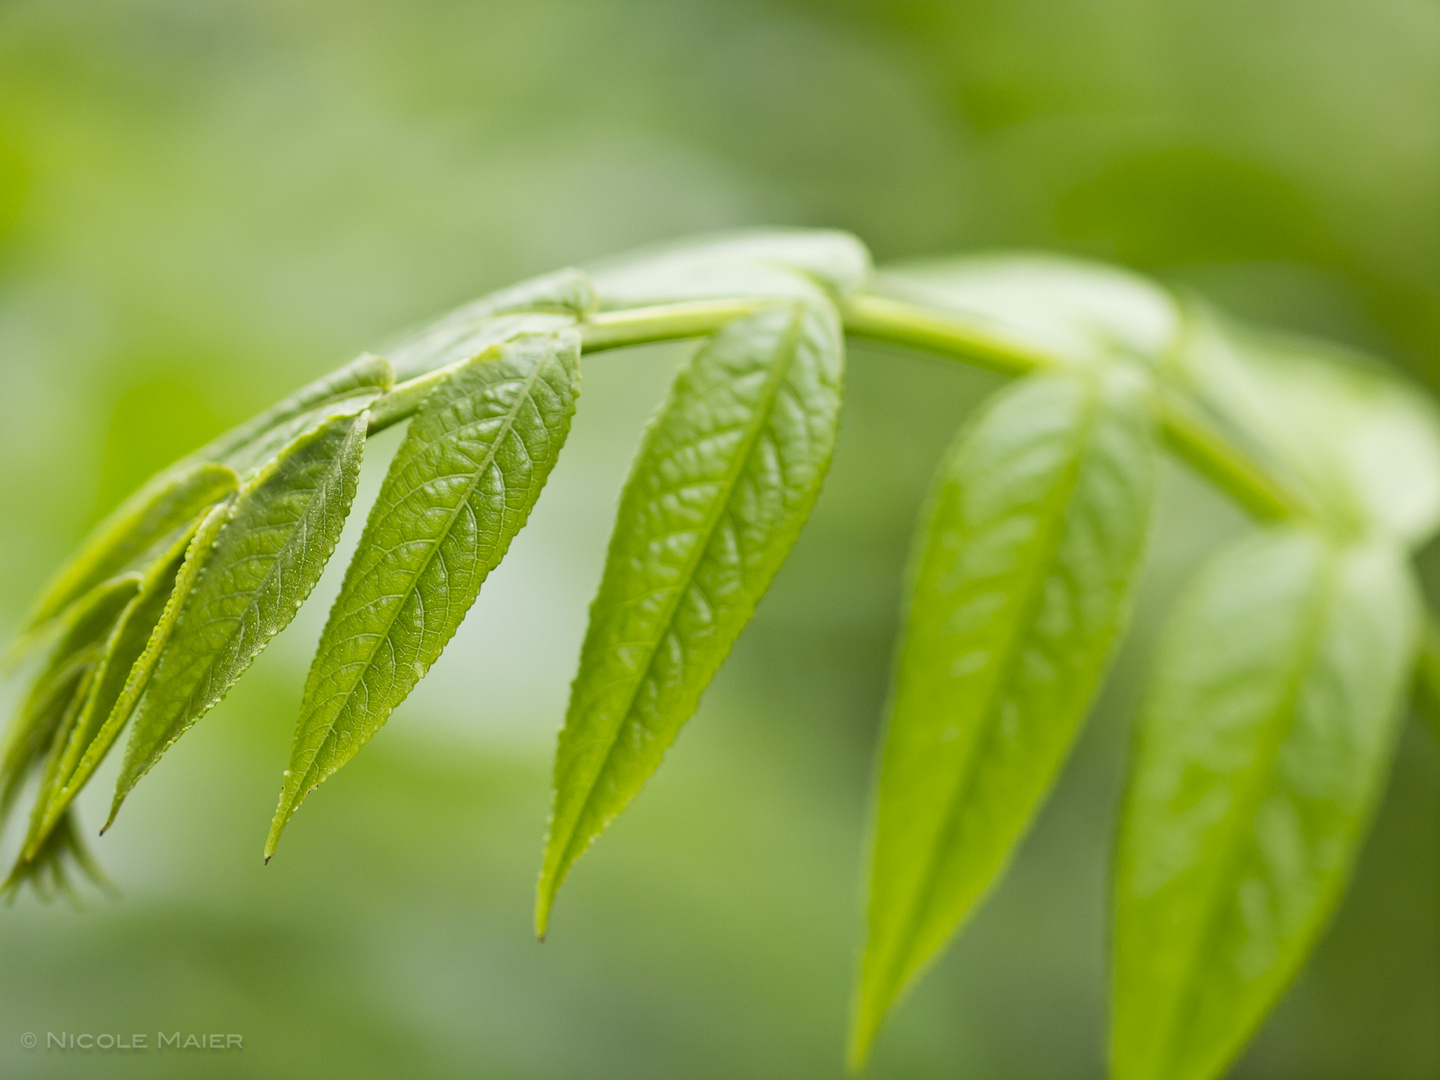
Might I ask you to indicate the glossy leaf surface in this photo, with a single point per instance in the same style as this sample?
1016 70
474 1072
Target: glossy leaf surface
723 482
1022 580
1262 751
460 487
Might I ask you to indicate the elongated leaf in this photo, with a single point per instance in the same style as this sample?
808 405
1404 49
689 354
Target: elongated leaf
461 486
267 557
759 263
1069 308
725 479
123 671
1022 582
542 305
149 517
34 730
1262 751
47 869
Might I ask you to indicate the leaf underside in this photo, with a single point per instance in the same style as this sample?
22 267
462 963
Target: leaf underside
1022 581
723 482
1262 750
458 490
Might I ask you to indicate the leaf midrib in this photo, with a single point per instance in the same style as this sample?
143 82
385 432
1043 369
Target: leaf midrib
486 462
1278 726
1051 537
788 349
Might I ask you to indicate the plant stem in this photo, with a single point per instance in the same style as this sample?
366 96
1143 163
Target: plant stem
1189 436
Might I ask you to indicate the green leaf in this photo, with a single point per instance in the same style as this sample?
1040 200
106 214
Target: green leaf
1068 308
123 671
542 305
254 444
461 486
47 869
1262 750
1022 581
723 482
1426 692
36 726
764 263
131 534
1358 443
282 530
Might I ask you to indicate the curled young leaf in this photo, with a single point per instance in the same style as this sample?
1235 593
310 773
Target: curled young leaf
724 480
269 554
1022 581
1262 751
460 487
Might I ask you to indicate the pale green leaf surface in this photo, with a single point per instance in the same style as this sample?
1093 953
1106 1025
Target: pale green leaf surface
1262 750
761 263
123 671
266 559
542 305
148 518
1068 308
460 487
1023 578
724 480
1361 445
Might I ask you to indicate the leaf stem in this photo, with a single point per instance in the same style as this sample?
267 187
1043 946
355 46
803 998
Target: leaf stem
1188 435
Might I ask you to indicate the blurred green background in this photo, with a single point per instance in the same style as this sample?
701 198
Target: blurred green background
204 205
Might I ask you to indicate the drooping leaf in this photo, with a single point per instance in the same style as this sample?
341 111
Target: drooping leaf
266 559
1359 444
1068 308
542 305
47 870
760 263
460 487
1023 577
1262 751
725 478
148 518
35 727
123 671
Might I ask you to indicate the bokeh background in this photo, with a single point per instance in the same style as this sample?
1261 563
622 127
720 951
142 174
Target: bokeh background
204 205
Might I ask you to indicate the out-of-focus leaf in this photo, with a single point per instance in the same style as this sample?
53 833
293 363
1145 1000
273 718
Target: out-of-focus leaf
542 305
46 870
1361 445
725 478
1068 308
1426 695
460 487
282 530
767 263
34 729
1262 751
123 671
148 518
1022 581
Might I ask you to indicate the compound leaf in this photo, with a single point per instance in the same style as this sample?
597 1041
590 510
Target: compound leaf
460 487
282 530
1262 751
1022 581
724 480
